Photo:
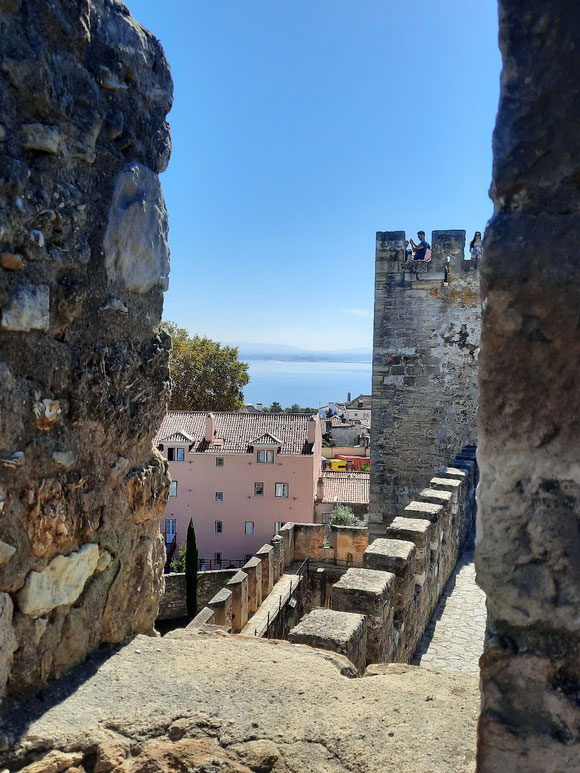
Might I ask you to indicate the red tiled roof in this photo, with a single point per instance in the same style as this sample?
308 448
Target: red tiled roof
346 487
364 399
238 431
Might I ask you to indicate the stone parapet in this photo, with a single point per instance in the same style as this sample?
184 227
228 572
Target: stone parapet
238 586
221 606
253 568
341 632
369 593
266 556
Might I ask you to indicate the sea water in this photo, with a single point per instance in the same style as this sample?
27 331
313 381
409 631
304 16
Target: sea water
309 384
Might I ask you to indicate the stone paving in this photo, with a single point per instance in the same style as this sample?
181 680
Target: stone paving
453 640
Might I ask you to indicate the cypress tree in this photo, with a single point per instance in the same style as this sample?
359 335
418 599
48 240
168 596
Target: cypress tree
191 571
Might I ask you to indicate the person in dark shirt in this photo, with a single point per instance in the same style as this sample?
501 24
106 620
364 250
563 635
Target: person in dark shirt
420 249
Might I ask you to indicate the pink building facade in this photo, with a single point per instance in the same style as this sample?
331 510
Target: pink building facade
239 476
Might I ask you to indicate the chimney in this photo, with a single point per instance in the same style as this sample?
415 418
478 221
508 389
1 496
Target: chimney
258 406
320 489
348 397
209 427
349 465
312 426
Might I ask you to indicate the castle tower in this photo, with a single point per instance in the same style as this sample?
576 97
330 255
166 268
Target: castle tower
425 349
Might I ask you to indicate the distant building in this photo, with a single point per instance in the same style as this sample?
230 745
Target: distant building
359 409
239 476
344 488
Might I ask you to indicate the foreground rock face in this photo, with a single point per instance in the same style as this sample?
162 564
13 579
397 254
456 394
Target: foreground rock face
84 91
528 556
219 702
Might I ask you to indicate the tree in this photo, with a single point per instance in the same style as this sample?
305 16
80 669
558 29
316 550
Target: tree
206 376
342 515
178 563
364 467
274 408
191 571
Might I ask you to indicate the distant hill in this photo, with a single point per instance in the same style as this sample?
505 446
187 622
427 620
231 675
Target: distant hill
248 351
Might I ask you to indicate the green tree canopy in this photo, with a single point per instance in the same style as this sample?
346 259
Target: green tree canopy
206 376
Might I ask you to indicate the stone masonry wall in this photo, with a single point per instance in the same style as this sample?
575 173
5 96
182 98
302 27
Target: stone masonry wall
425 351
84 91
528 547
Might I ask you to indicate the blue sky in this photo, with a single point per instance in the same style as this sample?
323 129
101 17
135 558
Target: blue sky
299 130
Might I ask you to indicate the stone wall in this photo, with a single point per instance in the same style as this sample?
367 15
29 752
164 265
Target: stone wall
396 582
84 91
425 351
528 551
173 602
404 574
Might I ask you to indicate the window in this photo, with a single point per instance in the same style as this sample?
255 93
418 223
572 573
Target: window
282 490
277 526
249 527
169 530
173 488
217 557
219 461
219 496
218 527
258 489
265 457
175 454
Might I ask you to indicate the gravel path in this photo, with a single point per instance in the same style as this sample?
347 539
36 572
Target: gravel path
453 640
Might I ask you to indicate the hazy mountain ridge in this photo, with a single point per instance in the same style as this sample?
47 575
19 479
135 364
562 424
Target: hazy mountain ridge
293 353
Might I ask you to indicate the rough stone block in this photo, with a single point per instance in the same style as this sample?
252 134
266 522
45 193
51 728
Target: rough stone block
349 543
341 632
277 543
398 557
221 605
417 531
238 586
265 554
287 534
253 568
308 540
369 592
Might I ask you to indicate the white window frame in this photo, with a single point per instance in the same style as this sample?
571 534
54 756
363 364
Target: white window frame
259 483
177 452
282 495
219 496
277 526
250 524
173 488
218 527
265 456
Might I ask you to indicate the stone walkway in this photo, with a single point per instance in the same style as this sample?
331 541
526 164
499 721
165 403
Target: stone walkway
453 640
279 595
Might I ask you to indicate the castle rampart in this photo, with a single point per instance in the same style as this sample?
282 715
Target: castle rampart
426 344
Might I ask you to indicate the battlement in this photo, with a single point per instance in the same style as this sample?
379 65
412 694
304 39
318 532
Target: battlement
387 590
426 342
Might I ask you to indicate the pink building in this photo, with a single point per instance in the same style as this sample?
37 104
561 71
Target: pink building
239 476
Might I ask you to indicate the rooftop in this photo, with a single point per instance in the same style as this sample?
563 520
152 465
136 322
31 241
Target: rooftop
362 402
346 487
238 432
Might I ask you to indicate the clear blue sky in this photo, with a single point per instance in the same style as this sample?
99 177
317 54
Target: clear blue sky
299 130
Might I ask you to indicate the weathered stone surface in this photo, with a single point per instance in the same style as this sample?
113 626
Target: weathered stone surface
28 309
62 582
342 632
425 352
7 638
136 249
528 552
6 552
127 709
84 93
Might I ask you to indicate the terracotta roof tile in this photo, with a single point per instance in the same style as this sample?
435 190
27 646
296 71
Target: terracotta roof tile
346 487
238 431
364 399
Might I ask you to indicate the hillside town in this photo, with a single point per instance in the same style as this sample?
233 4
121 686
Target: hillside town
240 476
